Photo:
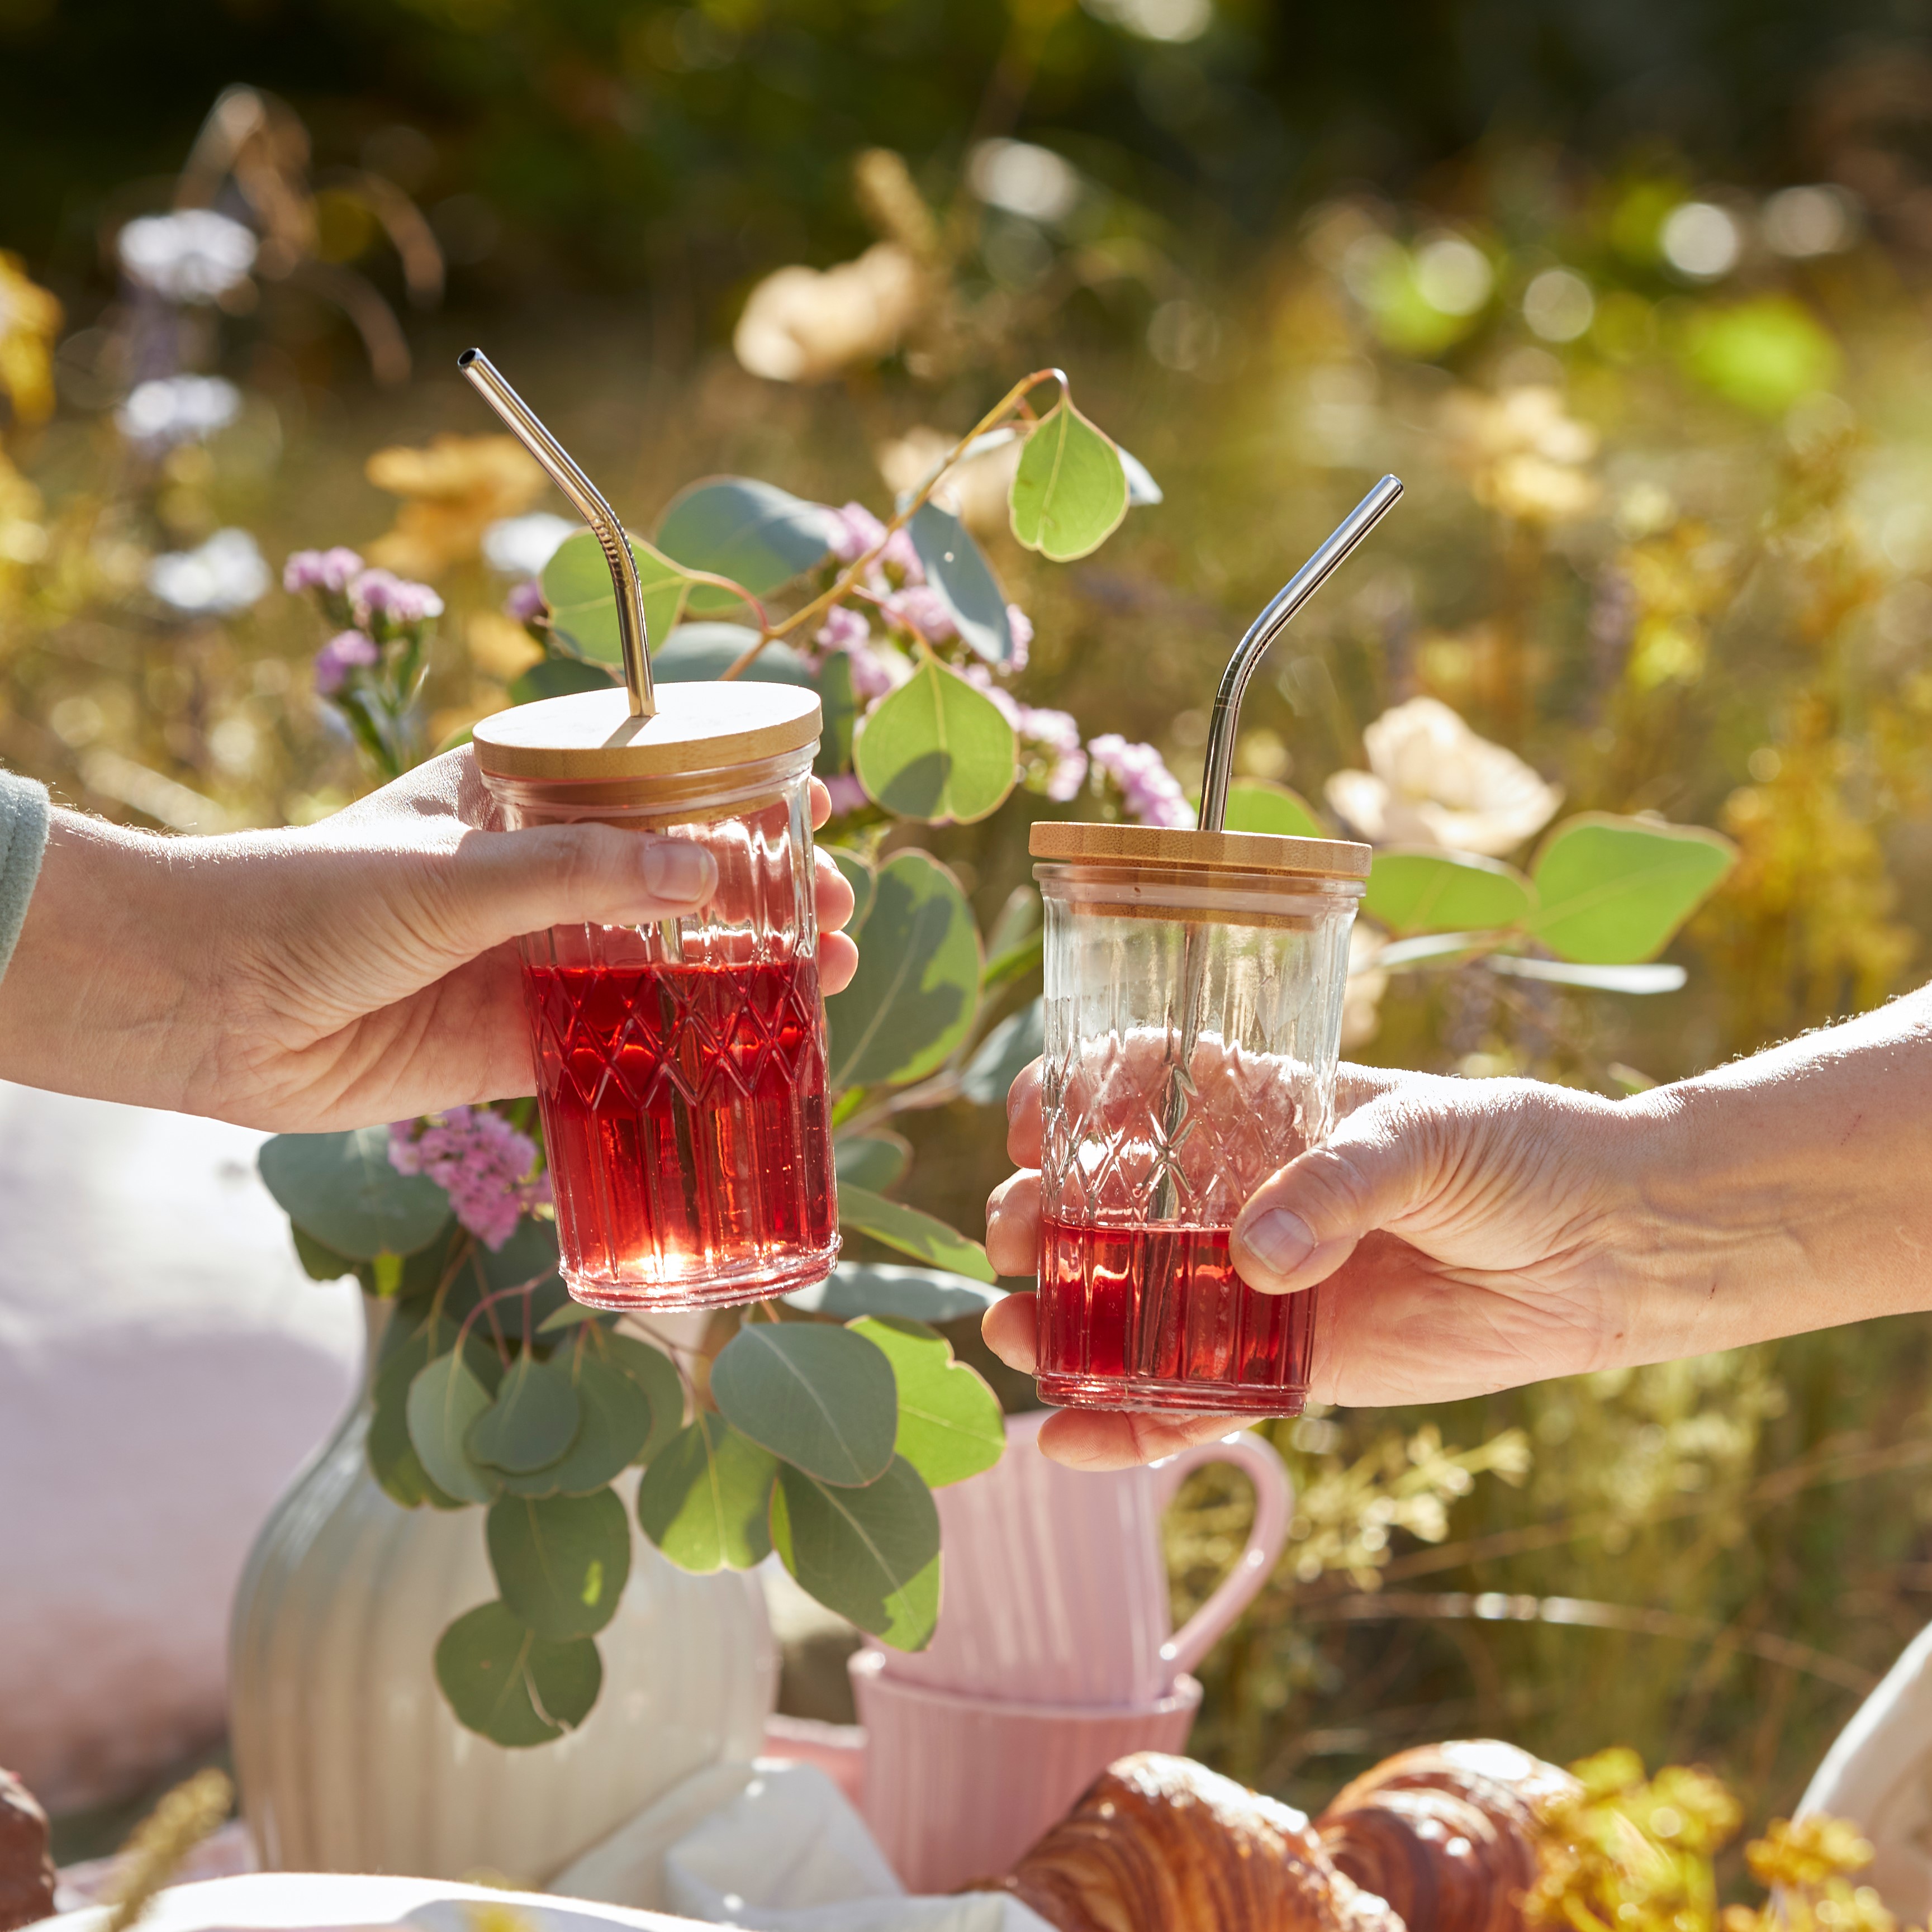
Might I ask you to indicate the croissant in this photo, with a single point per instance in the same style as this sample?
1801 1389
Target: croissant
26 1868
1445 1833
1161 1844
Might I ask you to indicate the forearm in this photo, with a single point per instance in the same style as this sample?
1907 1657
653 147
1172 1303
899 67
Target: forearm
1792 1190
96 999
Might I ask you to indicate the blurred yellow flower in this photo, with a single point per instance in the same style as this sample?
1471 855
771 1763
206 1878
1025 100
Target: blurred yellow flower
1432 781
30 318
452 491
805 324
1523 455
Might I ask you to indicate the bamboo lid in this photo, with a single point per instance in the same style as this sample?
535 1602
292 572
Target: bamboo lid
1203 851
705 726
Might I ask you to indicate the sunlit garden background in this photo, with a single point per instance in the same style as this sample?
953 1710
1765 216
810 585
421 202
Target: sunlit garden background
1632 297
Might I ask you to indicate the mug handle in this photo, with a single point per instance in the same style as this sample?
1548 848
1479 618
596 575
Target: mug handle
1274 1502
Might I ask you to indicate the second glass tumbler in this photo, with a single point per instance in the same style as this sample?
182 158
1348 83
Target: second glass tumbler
681 1066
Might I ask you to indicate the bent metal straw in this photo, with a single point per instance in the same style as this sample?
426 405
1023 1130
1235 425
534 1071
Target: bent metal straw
563 471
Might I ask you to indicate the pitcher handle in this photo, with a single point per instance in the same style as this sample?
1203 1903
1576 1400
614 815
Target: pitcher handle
1274 1506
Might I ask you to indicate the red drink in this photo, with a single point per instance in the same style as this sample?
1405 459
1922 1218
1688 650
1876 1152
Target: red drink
1143 1317
684 1110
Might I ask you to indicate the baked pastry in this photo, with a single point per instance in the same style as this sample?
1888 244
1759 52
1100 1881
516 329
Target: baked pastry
26 1864
1162 1844
1445 1833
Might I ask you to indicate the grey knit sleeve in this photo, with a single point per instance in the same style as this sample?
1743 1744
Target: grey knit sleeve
23 838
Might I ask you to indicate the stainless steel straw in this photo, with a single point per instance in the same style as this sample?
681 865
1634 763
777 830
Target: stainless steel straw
1214 780
633 637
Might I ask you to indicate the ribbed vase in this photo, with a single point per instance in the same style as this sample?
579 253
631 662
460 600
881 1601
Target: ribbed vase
348 1759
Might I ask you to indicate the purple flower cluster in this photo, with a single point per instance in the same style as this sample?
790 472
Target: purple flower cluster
846 630
525 603
920 609
1051 759
381 601
480 1161
330 571
346 651
856 531
1151 792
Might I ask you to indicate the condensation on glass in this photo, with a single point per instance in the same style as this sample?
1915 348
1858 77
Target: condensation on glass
1194 991
681 1064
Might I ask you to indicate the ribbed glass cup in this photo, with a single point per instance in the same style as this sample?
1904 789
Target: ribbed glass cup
1193 1024
682 1066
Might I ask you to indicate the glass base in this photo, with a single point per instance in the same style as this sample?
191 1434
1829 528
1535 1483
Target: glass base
1149 1392
721 1289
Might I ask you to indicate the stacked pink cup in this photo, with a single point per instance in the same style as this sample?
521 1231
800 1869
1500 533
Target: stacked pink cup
1055 1653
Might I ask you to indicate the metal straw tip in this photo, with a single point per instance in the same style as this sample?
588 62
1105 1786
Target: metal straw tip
468 356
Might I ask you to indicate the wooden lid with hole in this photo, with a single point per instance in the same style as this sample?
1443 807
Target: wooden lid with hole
702 727
1207 852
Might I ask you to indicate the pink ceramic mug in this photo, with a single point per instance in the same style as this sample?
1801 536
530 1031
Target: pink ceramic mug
956 1788
1055 1591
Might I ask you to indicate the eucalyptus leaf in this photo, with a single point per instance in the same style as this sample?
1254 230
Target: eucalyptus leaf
1012 965
656 1375
319 1263
1613 891
571 1315
1430 891
817 1397
1070 492
393 1460
839 708
862 876
912 1000
957 570
877 1161
937 749
614 1423
913 1233
429 1269
558 677
582 600
754 533
1432 946
445 1400
870 1554
1142 489
1017 1041
704 1499
951 1426
1602 979
561 1562
702 653
507 1684
1017 921
877 1287
1256 805
533 1421
340 1190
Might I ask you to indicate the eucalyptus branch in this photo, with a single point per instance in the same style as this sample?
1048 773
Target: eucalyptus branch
1013 400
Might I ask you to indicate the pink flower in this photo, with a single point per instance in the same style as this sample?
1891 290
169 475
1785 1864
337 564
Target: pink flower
922 610
844 629
330 570
856 531
525 603
848 794
378 597
1021 626
1150 790
484 1165
346 651
899 555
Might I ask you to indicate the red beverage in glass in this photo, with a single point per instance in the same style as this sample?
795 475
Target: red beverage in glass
1156 1317
684 1112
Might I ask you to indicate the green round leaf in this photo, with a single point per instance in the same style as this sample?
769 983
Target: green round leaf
1141 488
1445 892
393 1460
1015 1042
656 1375
862 877
340 1190
1614 890
561 1562
876 1161
753 533
912 1232
839 706
702 653
558 677
937 749
704 1499
871 1554
871 1287
956 569
614 1425
533 1421
505 1683
818 1396
951 1426
912 1000
583 599
1254 804
319 1263
1070 492
445 1400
